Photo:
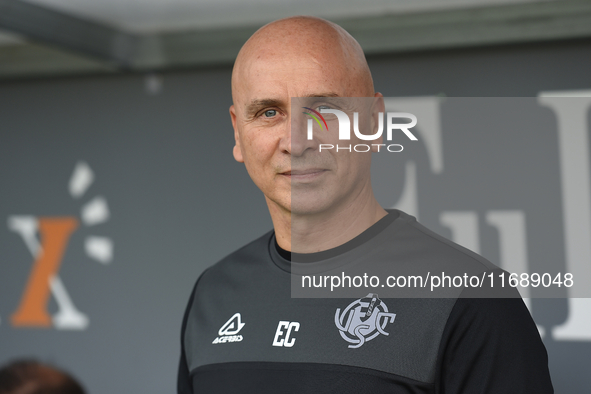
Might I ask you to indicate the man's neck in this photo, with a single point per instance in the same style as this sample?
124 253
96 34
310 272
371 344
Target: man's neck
317 232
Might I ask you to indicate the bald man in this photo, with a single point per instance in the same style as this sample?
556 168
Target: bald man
302 57
244 333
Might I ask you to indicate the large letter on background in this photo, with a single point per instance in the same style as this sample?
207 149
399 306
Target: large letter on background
571 109
55 233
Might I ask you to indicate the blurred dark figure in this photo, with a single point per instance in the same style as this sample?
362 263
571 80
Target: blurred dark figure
32 377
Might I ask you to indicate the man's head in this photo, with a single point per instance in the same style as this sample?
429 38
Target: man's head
32 377
296 57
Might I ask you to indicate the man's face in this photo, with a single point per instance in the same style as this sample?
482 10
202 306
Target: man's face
283 163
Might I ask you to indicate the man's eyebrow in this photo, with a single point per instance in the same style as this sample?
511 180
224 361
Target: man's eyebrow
329 94
256 105
335 98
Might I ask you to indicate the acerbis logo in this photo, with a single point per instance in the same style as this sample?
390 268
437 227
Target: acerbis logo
345 129
47 239
232 326
363 320
227 333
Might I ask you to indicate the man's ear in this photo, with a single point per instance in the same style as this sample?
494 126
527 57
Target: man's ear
237 151
377 108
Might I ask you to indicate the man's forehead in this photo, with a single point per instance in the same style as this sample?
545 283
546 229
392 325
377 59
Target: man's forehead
303 77
288 64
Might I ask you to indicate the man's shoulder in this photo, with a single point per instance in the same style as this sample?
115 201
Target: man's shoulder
428 242
252 251
241 261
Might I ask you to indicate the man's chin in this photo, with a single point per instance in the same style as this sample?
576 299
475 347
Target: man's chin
307 207
302 203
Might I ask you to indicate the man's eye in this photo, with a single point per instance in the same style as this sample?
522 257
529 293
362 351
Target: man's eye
323 107
270 113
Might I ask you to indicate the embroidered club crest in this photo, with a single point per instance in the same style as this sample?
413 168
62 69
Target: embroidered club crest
363 320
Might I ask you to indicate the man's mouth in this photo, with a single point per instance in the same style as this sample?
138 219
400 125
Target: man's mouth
304 173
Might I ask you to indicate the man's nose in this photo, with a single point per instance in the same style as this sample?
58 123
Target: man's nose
295 141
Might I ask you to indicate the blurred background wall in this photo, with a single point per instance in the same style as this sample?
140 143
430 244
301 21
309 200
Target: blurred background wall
115 153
